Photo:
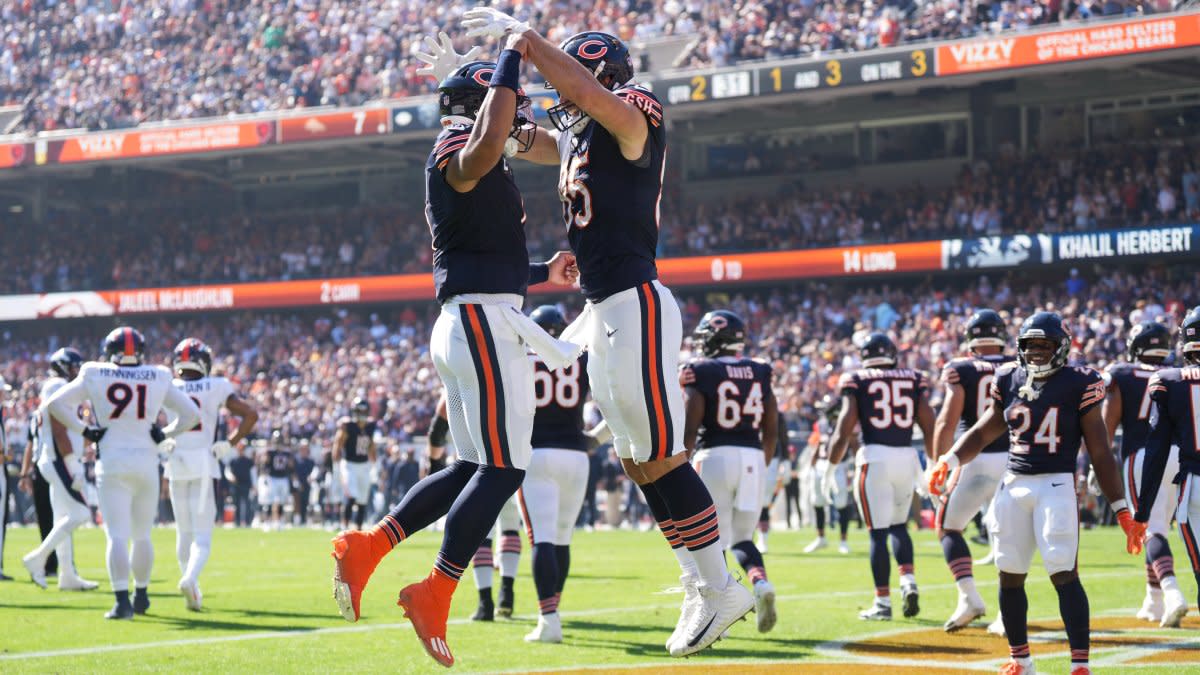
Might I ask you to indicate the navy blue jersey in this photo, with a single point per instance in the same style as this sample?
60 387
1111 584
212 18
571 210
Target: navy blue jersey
975 374
279 463
356 441
478 236
1175 393
1132 380
610 203
1044 433
886 402
735 390
559 395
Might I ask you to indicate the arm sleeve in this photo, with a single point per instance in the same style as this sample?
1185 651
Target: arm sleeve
1158 446
63 405
188 415
538 273
437 431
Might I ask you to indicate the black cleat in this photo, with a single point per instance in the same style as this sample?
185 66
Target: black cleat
120 611
504 603
141 601
5 577
485 611
910 600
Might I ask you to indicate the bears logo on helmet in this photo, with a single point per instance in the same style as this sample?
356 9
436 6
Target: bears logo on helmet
461 95
720 332
606 58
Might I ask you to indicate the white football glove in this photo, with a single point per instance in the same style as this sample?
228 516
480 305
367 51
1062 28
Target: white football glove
75 469
222 449
442 60
166 446
1093 483
489 22
829 483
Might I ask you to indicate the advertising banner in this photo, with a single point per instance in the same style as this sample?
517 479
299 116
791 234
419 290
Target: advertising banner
134 144
341 124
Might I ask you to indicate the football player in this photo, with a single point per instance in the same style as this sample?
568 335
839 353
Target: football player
1047 409
436 451
354 454
58 460
126 397
276 467
972 485
508 530
481 272
732 427
610 144
1128 407
194 464
885 401
830 482
1174 418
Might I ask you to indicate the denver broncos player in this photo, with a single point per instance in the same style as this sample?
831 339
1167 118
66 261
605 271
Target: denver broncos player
354 455
1128 407
972 485
885 401
610 145
1174 418
1048 409
732 427
479 343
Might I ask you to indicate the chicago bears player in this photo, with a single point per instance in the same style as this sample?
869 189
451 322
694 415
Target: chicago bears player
276 468
830 481
885 401
354 454
508 530
193 466
126 397
1128 407
1048 409
610 144
732 427
58 459
479 342
972 486
1174 418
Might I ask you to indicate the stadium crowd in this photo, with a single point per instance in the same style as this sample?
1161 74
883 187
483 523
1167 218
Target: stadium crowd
301 371
1104 187
117 63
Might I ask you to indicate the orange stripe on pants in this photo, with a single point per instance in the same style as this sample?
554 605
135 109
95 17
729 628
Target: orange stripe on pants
862 496
492 425
652 364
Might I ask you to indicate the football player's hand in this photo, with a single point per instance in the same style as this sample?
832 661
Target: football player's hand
156 434
166 446
222 449
829 486
1093 483
563 271
936 477
489 22
94 434
25 484
1135 532
441 59
518 43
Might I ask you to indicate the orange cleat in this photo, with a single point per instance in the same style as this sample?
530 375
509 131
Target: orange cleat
1015 668
427 605
1081 670
355 556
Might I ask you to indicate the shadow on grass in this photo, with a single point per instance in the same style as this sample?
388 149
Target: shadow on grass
650 642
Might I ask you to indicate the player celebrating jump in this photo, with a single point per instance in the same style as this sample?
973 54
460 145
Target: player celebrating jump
479 343
1047 408
732 417
611 146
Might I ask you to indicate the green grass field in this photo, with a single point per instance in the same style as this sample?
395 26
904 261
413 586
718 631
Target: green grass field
268 609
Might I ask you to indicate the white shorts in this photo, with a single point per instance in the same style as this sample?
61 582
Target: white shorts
841 485
274 491
191 464
65 502
489 380
334 492
634 339
734 477
1036 512
1168 494
509 518
970 487
128 498
356 477
884 485
552 494
1187 514
193 504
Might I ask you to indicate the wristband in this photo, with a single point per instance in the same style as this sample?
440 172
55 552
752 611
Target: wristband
508 70
1119 505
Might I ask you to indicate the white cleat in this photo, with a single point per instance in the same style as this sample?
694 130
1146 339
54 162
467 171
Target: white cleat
1175 607
1152 608
37 569
816 545
74 582
549 629
691 605
843 548
191 594
764 606
878 612
719 609
968 610
997 627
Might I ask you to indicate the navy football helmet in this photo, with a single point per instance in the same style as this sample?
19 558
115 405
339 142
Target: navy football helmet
1189 337
878 351
192 355
1149 340
125 346
461 95
985 328
720 333
66 363
360 409
606 58
1044 326
550 319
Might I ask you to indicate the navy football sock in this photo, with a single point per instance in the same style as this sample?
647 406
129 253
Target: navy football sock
1014 610
563 556
819 512
348 510
122 598
1159 558
881 566
472 515
1073 606
958 554
751 560
844 517
545 576
427 501
902 548
662 515
695 518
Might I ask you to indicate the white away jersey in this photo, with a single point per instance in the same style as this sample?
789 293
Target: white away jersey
209 394
44 448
